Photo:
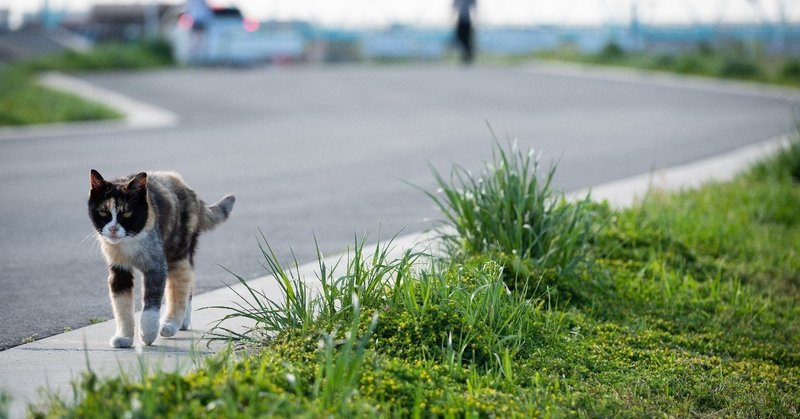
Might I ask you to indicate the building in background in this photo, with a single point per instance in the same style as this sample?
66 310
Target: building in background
5 22
229 37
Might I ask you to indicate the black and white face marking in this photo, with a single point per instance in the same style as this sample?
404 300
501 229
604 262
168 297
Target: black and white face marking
118 211
113 230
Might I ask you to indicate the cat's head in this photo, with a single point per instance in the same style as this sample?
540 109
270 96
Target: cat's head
118 209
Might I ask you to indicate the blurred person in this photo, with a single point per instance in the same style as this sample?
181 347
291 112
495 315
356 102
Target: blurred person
200 12
202 16
464 30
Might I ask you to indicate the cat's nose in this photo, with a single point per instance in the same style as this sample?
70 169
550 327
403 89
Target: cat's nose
113 229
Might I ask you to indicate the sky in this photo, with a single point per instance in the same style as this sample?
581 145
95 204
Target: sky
358 13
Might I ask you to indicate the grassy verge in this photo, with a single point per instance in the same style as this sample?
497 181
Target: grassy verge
685 305
736 62
24 102
108 56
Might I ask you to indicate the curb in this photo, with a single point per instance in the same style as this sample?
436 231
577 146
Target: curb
137 114
724 167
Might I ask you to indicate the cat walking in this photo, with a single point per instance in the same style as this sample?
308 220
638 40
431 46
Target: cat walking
150 222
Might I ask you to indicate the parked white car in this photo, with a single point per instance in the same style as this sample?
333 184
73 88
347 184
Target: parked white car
230 38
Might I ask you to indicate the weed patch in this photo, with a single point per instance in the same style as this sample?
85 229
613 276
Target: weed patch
108 56
732 62
24 102
5 401
511 213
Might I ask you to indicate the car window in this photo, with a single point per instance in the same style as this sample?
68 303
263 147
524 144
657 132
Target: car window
228 13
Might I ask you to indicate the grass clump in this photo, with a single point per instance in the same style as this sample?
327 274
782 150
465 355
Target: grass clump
5 401
790 71
512 213
735 61
785 166
700 317
108 56
24 102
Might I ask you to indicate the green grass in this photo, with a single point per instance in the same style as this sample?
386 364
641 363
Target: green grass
97 319
5 401
684 305
24 102
108 56
735 62
511 214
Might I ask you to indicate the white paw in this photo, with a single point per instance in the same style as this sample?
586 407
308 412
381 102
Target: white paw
169 328
148 326
121 341
187 317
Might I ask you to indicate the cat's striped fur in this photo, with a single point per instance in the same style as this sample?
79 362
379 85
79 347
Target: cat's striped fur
150 222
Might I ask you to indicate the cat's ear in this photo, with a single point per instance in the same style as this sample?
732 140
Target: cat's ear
96 182
138 183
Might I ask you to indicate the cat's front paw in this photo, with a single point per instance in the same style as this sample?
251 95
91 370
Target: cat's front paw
121 341
187 316
148 326
169 328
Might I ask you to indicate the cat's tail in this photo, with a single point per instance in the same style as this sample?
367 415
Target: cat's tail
217 213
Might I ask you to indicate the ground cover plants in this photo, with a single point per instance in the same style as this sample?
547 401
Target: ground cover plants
24 102
684 305
736 61
141 54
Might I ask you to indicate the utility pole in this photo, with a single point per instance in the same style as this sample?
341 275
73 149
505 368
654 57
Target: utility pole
151 20
45 15
784 29
636 28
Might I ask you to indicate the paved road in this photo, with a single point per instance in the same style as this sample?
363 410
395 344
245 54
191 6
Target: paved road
326 151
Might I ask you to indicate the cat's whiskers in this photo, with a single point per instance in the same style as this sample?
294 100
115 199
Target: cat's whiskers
90 238
90 244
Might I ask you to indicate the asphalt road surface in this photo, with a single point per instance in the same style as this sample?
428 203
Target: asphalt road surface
329 152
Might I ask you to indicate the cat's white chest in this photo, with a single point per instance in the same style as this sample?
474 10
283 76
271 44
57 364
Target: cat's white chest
126 252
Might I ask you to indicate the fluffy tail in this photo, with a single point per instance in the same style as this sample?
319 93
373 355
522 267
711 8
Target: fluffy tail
217 213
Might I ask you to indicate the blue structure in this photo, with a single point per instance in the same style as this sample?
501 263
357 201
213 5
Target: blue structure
424 43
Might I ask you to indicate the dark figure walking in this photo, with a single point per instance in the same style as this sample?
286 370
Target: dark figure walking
464 31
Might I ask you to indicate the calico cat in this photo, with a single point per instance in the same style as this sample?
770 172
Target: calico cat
150 222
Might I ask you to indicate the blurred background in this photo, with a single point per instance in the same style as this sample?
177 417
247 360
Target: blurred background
291 31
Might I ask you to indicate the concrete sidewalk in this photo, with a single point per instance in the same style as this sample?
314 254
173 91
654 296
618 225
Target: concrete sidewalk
54 362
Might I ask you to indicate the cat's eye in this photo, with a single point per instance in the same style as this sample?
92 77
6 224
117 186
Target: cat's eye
127 214
102 213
